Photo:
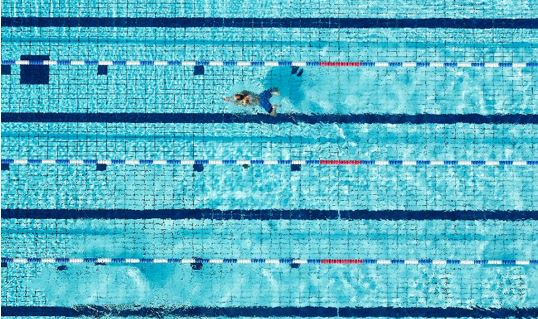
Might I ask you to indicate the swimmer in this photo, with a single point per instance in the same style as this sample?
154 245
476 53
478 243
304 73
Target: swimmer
247 98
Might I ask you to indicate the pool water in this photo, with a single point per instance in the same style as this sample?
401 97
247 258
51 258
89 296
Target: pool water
397 180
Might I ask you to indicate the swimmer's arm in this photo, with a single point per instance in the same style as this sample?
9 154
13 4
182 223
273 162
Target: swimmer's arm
231 99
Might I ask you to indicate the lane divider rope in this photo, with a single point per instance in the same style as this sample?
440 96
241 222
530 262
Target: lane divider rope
162 162
271 261
376 64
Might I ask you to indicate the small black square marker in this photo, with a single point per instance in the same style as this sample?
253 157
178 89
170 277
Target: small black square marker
197 266
198 167
6 69
199 70
4 265
294 265
102 69
295 167
61 268
245 166
100 167
34 73
5 167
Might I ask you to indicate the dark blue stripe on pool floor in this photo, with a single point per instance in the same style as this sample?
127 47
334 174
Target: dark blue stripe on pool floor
360 312
269 214
264 118
182 22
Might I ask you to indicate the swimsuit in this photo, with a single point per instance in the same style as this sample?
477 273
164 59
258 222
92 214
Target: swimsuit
264 100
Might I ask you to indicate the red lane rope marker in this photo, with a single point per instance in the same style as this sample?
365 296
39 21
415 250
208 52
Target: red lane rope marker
341 261
340 63
340 162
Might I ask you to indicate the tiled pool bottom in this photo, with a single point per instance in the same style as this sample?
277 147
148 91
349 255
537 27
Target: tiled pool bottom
368 286
397 180
304 265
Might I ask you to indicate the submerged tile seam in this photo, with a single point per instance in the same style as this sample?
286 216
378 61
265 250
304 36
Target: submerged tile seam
239 63
268 214
272 261
293 118
111 310
285 22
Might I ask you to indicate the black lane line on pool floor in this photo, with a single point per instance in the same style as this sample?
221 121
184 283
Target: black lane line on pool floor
357 312
318 23
365 118
269 214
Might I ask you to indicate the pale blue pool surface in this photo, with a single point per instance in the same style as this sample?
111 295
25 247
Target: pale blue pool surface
275 9
430 266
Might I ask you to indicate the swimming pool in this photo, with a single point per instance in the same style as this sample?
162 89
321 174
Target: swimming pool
397 180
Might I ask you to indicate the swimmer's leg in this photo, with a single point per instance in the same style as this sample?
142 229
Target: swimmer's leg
264 100
273 110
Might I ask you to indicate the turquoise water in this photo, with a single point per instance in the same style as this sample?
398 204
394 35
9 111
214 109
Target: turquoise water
174 89
319 90
271 286
276 9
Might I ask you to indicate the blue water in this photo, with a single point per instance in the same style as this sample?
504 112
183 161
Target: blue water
275 9
174 89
